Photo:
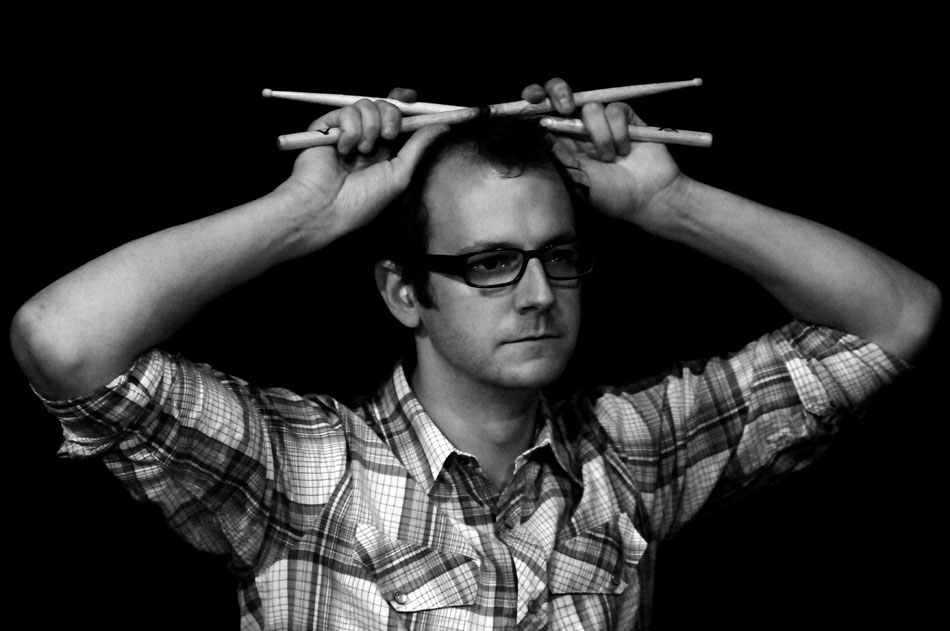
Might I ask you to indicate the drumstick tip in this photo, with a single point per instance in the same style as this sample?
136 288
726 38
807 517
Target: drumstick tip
267 93
697 81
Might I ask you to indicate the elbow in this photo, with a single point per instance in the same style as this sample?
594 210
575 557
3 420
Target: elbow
919 318
47 357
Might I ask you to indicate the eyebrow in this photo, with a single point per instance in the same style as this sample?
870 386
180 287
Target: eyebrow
479 246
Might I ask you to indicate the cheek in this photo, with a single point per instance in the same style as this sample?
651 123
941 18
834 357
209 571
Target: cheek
569 306
459 322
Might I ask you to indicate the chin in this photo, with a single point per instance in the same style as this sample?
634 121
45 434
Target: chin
533 375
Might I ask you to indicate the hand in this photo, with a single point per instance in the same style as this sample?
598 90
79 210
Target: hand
345 186
627 179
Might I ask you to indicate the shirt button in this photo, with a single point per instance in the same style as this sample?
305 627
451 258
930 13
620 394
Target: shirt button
534 606
401 598
615 580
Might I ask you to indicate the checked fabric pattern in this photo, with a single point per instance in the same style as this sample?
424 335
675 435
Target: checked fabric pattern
366 517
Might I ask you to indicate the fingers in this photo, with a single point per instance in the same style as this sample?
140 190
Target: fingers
608 128
406 95
619 117
534 93
390 120
362 124
598 130
351 129
557 89
561 95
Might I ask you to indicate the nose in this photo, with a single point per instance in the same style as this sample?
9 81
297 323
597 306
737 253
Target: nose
533 291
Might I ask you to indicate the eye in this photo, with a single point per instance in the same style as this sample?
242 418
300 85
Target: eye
561 254
490 262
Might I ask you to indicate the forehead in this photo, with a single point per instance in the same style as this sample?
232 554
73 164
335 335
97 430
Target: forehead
473 205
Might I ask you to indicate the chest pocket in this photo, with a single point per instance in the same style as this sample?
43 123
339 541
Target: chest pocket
599 561
413 577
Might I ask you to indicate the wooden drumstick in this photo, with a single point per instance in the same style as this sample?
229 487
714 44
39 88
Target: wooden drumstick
341 100
639 133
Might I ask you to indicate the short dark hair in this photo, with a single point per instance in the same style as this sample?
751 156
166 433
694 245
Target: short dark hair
511 146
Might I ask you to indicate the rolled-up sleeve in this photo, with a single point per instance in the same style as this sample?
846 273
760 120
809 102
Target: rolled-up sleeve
707 429
226 462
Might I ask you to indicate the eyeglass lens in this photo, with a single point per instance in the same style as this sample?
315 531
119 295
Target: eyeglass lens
504 266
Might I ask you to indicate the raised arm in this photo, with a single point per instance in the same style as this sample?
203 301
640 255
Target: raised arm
87 327
818 274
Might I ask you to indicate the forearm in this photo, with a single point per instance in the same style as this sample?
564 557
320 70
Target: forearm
818 274
87 327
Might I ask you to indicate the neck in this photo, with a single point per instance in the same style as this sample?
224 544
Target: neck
494 424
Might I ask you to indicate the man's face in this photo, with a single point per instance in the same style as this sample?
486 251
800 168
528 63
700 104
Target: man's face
516 337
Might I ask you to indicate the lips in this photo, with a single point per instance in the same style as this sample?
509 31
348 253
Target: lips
533 337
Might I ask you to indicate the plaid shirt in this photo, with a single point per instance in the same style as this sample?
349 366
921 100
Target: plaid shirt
366 517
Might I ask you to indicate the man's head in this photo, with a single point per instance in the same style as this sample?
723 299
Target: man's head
510 146
481 187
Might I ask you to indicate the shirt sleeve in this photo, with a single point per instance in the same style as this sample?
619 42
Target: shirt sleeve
224 461
707 429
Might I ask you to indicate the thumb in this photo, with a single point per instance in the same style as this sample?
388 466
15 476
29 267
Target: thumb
408 157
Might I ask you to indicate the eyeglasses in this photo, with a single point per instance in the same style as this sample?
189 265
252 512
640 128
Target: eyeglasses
505 266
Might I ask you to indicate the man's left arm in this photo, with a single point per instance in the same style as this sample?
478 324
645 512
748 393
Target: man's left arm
818 274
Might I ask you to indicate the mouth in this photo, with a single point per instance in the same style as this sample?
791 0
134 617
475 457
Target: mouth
534 338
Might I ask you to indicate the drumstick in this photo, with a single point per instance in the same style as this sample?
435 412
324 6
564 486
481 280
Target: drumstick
639 133
303 140
605 95
340 100
502 109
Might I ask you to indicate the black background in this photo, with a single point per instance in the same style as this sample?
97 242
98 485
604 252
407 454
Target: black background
124 127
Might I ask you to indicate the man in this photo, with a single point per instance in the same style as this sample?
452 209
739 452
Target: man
459 496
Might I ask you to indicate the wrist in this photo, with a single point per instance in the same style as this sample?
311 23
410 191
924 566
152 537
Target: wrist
304 220
670 207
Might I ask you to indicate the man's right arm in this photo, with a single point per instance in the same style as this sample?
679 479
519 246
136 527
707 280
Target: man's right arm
87 327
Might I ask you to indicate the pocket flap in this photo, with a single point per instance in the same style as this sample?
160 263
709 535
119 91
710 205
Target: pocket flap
596 561
413 577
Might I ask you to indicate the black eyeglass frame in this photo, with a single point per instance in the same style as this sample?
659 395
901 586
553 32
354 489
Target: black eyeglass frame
457 264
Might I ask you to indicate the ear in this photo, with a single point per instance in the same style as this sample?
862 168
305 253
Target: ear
398 295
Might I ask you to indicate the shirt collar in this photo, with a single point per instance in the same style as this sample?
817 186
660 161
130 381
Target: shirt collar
423 448
436 448
554 436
